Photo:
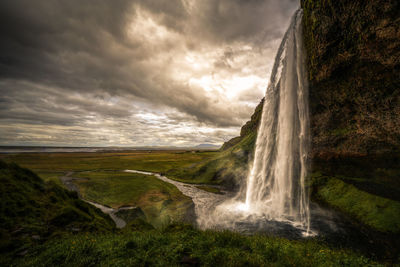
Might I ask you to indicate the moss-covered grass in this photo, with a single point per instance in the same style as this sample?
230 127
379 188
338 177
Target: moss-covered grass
377 212
52 176
352 62
32 210
161 202
227 167
179 245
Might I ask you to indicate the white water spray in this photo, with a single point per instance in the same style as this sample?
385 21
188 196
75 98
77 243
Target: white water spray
275 184
276 200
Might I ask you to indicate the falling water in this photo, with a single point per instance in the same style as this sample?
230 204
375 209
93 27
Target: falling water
275 184
275 197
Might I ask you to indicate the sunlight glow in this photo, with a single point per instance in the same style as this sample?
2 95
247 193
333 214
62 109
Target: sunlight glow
242 207
231 87
148 29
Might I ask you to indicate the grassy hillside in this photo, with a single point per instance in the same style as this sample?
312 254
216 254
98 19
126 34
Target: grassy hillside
32 211
228 167
161 202
99 178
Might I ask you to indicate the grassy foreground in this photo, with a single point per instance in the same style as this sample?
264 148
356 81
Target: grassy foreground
183 245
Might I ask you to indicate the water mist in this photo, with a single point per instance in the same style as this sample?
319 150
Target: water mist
274 198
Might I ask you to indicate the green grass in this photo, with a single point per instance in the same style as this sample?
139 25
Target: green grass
31 208
116 189
182 245
161 202
35 208
377 212
51 176
225 167
154 161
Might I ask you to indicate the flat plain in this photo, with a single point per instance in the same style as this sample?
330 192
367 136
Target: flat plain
100 178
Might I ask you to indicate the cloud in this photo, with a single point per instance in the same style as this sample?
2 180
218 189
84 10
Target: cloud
68 65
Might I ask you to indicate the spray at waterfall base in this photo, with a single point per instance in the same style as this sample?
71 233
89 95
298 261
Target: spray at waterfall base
275 194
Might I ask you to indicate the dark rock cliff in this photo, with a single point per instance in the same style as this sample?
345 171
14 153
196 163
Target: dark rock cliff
353 52
353 58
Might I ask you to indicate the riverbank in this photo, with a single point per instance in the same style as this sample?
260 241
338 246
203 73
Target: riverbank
124 191
75 244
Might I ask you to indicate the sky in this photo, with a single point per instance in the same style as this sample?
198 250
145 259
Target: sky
134 73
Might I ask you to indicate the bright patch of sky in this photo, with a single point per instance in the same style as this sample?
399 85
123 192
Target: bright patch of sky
134 73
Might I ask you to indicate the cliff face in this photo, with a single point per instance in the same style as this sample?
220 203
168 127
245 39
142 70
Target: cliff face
353 58
353 52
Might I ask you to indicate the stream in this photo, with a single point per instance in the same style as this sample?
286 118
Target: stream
220 211
68 181
203 201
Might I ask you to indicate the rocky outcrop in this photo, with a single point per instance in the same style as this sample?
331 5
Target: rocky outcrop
353 52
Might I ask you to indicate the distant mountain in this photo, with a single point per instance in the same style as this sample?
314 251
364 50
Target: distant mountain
208 146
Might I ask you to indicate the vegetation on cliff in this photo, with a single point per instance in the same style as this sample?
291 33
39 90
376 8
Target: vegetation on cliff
353 52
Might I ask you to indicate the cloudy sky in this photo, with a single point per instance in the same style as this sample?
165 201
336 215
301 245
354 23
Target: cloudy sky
134 73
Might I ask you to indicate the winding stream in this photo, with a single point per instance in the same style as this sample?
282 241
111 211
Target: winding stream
68 181
210 214
204 201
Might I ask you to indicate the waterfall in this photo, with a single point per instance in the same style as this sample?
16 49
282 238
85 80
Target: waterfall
275 184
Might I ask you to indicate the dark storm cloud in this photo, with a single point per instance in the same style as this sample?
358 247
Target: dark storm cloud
67 63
